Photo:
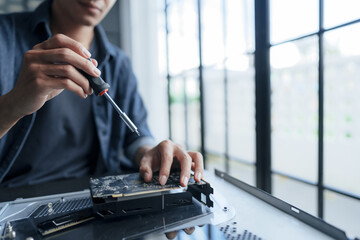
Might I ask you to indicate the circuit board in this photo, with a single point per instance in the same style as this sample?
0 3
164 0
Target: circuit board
118 186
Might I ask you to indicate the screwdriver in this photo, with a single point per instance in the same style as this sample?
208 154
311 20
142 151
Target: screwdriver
101 88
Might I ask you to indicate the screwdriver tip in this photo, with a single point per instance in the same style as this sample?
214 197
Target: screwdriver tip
137 132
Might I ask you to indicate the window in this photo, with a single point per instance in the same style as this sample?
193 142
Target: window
211 81
309 57
314 85
7 6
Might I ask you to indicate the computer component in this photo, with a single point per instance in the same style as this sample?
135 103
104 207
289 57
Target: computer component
128 194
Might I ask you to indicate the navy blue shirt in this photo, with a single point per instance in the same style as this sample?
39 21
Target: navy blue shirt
116 144
75 150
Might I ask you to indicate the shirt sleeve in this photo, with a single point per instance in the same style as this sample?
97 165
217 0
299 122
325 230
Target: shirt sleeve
131 150
136 111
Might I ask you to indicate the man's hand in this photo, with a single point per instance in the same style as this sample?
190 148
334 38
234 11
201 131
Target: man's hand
173 234
47 69
167 155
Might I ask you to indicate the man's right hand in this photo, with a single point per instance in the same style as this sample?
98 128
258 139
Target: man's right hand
47 69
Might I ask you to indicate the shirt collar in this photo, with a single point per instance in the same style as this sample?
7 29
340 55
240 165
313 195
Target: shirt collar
41 21
106 49
41 17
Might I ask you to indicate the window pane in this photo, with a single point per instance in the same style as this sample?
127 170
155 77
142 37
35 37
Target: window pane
212 32
239 27
183 36
185 110
214 99
291 19
193 110
177 108
343 212
161 39
338 12
214 161
169 2
34 4
7 6
299 194
294 109
341 109
241 107
242 171
239 170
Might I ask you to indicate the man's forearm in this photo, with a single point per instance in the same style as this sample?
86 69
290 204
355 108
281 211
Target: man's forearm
7 117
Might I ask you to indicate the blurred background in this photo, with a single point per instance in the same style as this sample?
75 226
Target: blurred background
268 91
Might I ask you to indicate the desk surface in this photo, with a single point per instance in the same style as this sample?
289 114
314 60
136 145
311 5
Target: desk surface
259 217
252 214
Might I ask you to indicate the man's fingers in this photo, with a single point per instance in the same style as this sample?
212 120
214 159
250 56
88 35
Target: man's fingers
94 62
189 230
68 71
63 83
62 56
185 162
145 169
171 235
63 41
62 49
198 165
166 154
162 157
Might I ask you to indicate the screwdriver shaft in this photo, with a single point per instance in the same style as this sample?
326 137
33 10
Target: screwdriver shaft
123 115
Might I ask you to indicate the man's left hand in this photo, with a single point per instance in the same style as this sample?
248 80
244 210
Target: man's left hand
166 155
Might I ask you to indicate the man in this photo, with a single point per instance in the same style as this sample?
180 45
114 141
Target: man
48 133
